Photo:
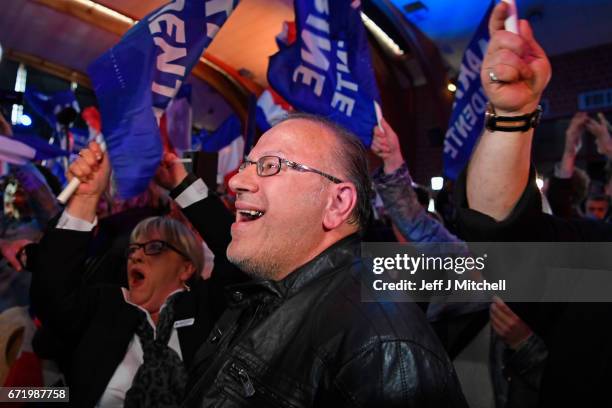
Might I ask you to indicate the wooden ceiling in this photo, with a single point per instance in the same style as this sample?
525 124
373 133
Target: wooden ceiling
52 34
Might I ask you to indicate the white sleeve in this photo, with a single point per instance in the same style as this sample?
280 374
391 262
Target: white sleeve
69 222
195 192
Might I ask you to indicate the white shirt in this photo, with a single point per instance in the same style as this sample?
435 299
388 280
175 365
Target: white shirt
121 381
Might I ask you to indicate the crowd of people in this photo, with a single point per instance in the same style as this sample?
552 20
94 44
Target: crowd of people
131 311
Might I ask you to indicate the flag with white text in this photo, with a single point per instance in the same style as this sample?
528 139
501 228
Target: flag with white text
467 119
137 78
327 70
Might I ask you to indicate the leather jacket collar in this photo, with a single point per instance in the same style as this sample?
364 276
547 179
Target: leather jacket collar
341 253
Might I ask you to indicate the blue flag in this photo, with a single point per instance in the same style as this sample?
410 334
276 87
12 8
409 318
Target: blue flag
136 79
327 70
48 106
467 120
229 130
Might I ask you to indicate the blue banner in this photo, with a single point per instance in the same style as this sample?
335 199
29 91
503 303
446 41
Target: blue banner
467 120
136 79
327 70
229 130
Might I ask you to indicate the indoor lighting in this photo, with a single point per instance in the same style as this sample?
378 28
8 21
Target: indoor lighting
25 120
437 183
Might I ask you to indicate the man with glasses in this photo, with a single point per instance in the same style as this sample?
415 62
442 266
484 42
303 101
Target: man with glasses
299 334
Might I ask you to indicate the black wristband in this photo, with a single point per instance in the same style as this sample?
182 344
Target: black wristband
520 123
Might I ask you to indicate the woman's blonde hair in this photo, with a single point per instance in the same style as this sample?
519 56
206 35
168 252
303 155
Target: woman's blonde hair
176 234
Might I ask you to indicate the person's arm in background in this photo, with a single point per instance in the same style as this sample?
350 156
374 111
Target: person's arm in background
573 143
561 195
201 205
500 166
57 295
209 216
601 130
394 184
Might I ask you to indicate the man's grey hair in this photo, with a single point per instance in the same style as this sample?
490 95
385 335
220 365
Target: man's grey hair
350 154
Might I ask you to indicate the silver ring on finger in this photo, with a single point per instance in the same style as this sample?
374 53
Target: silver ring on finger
494 78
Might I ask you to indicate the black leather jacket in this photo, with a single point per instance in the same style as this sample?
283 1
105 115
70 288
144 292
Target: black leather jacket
309 340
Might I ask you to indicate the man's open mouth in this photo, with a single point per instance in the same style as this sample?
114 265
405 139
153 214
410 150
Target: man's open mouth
249 215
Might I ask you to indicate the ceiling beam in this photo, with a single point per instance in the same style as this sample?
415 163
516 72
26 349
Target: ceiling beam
92 13
52 68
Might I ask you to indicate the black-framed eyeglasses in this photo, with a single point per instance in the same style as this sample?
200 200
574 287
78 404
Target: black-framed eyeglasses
270 165
154 247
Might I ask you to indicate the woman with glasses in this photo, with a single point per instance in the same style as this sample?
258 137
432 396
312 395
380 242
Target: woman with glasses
122 346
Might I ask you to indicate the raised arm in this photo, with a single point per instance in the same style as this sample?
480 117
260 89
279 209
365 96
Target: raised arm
56 291
562 193
210 218
202 206
514 73
394 184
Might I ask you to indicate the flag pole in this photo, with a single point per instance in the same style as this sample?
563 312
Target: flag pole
69 190
511 23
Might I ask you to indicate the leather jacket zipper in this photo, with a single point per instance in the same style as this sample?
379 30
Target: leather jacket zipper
247 384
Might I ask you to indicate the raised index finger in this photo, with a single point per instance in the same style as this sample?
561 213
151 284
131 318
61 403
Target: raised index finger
498 17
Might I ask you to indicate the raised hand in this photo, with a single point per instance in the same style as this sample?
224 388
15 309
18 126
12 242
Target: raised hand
507 325
574 133
599 128
92 168
515 69
385 145
170 172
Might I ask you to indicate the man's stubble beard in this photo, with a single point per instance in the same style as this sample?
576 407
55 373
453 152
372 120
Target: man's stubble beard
263 265
256 268
270 263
